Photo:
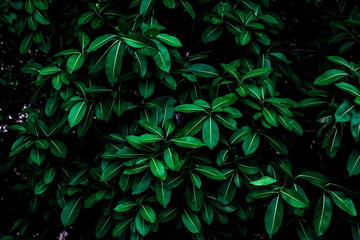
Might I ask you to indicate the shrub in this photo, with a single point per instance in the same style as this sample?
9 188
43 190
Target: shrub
181 119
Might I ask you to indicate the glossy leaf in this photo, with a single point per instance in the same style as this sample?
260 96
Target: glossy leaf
273 216
71 211
210 133
330 76
322 215
343 202
191 221
77 113
114 62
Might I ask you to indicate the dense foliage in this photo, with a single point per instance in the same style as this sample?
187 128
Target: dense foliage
176 119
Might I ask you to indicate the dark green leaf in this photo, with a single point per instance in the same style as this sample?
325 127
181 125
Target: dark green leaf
251 143
343 202
194 197
191 221
77 113
212 33
210 172
71 211
330 76
353 162
148 213
210 133
203 70
114 62
103 226
274 216
58 148
169 40
322 215
293 198
75 62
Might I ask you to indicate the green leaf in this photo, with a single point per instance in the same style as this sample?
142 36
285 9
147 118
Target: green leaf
41 17
340 61
207 213
75 62
146 88
189 108
315 178
109 170
349 88
41 4
203 70
50 70
135 40
270 116
224 101
85 18
167 214
141 63
330 76
194 197
58 148
114 62
121 227
29 6
322 215
146 6
195 179
52 105
169 40
188 8
304 231
353 162
163 194
344 112
240 134
101 41
40 187
191 221
355 126
256 73
77 113
251 143
274 216
226 191
188 142
212 33
142 226
83 39
71 211
157 168
231 69
263 181
162 57
244 38
103 226
277 144
19 145
37 156
311 102
124 206
148 213
171 159
355 231
210 172
49 175
210 133
31 23
343 202
293 198
169 3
